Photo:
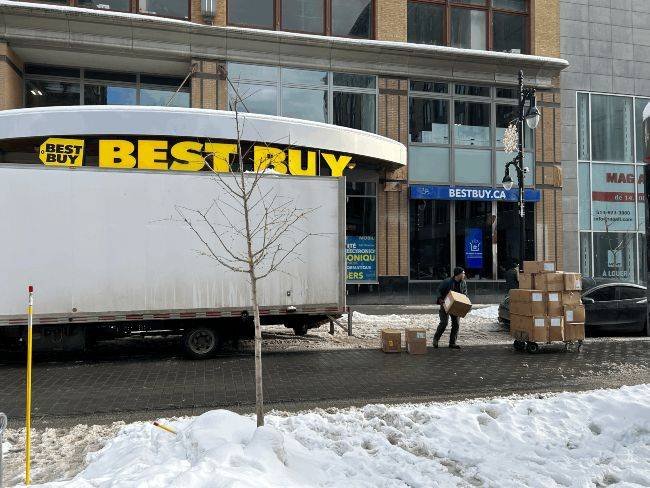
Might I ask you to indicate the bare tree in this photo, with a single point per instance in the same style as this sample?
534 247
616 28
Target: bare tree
246 211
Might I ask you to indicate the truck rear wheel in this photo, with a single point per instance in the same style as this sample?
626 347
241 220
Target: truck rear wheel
300 330
200 342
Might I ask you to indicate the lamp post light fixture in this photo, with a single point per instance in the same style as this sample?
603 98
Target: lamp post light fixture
531 116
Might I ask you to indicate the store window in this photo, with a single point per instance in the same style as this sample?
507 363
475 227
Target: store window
613 197
179 9
584 141
508 32
343 18
257 99
473 229
615 256
584 195
430 252
361 231
508 237
120 5
426 23
428 164
472 123
612 131
45 93
429 120
354 110
304 103
109 95
468 28
639 106
473 166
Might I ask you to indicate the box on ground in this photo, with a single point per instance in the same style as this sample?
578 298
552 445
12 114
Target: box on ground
555 328
574 331
525 281
416 341
527 302
554 306
457 304
572 281
391 340
534 267
535 329
574 314
551 281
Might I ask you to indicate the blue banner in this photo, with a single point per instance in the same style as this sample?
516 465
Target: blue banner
360 258
432 192
473 248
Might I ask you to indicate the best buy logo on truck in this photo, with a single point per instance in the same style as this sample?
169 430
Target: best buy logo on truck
62 152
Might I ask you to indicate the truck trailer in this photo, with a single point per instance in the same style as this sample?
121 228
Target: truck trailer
109 257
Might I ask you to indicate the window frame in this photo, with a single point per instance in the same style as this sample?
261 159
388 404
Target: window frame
489 18
327 20
134 8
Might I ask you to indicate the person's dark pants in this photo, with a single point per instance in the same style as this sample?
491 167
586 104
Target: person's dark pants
444 320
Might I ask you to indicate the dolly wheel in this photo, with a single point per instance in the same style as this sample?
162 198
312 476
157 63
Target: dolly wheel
519 345
532 347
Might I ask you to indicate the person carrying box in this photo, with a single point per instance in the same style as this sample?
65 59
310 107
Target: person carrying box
455 283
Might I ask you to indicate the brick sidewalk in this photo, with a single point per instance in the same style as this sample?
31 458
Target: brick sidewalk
324 378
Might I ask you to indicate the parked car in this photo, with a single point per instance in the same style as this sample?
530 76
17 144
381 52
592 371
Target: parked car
610 307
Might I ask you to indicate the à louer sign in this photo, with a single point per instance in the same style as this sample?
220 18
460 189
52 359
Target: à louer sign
432 192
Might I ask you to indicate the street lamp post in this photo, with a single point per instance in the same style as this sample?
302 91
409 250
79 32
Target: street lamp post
531 117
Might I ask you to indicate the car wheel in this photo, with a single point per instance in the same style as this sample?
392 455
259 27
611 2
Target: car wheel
200 342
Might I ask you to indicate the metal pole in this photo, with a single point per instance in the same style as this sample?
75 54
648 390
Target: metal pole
350 321
520 173
331 327
3 426
28 402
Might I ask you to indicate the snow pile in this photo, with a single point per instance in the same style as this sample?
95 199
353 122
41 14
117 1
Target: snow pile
571 439
6 446
491 312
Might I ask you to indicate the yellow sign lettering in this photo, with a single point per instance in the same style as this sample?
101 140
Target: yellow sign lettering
116 153
187 156
62 152
295 163
152 155
336 165
220 155
265 157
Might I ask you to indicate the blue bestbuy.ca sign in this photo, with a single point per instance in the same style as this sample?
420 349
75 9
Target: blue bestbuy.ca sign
432 192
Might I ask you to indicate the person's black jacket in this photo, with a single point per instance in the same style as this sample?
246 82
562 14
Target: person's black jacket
447 285
512 279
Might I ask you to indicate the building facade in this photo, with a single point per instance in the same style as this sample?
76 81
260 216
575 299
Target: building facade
439 76
604 93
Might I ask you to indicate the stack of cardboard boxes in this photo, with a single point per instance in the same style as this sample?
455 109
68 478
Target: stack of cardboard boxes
416 340
547 306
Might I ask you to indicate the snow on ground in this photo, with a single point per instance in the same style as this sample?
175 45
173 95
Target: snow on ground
596 438
479 327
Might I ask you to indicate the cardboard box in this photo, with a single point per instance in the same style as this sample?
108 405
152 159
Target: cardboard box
554 306
571 298
534 267
572 281
556 328
535 329
574 314
416 341
457 304
549 281
527 302
391 340
574 332
525 281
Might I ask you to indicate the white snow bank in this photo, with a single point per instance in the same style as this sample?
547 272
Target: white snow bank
6 446
571 439
491 312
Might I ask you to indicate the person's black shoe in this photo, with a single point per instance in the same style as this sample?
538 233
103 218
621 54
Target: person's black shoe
435 344
454 346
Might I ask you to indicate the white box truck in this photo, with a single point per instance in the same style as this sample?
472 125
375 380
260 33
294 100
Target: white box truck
109 257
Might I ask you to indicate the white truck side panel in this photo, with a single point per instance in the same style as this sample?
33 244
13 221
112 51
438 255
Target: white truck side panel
111 241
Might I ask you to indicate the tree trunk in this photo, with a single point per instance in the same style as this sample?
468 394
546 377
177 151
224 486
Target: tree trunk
259 392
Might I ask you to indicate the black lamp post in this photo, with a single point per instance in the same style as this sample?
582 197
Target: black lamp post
531 117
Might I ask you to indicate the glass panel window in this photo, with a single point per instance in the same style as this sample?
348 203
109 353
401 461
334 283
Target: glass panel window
302 103
429 86
508 235
426 23
473 166
611 128
474 238
640 105
507 114
518 5
509 33
165 8
615 256
238 71
507 93
109 95
613 197
640 196
361 188
46 70
585 254
429 239
584 196
429 120
583 127
361 216
473 90
468 28
258 13
112 76
471 2
122 5
303 76
41 93
354 110
303 15
162 97
352 18
257 99
429 164
352 80
472 123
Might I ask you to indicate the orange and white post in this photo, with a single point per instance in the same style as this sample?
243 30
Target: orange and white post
28 402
